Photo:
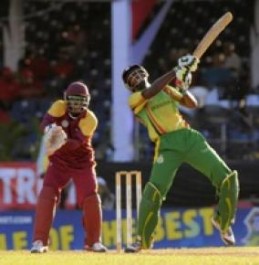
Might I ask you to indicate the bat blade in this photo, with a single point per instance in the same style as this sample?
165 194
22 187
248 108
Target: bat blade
212 34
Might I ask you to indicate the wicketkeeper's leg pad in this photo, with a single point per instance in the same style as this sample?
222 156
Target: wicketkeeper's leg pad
228 198
45 211
148 214
92 219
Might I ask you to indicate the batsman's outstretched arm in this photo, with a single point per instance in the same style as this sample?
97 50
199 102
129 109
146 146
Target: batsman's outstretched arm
186 64
159 84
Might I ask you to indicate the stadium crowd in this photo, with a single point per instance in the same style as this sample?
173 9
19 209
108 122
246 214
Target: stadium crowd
71 47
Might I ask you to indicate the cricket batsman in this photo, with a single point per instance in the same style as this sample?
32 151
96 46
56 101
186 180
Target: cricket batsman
156 107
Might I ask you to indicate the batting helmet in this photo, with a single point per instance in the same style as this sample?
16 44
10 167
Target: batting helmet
77 89
133 76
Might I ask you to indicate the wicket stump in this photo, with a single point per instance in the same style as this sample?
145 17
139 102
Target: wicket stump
126 177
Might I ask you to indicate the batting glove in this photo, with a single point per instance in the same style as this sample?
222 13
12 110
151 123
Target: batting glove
181 73
189 61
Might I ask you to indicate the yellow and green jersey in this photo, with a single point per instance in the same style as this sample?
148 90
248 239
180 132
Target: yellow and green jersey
160 114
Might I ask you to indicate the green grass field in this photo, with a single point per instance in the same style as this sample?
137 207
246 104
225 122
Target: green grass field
191 256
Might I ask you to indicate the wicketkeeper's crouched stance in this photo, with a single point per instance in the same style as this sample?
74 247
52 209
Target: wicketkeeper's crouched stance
69 126
156 106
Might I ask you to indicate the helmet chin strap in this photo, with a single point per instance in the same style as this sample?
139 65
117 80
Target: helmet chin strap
142 85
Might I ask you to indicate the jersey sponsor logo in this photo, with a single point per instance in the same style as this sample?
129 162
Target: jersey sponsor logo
64 123
161 104
160 159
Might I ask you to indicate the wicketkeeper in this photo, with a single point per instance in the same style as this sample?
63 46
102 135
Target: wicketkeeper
156 107
69 126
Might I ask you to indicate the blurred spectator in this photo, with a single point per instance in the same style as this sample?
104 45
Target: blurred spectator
9 87
29 86
240 75
4 116
36 62
216 74
107 197
232 59
63 67
77 37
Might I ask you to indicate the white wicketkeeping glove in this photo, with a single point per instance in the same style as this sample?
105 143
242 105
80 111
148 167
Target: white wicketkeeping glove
54 138
189 61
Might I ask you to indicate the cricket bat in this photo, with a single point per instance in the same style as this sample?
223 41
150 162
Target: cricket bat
212 34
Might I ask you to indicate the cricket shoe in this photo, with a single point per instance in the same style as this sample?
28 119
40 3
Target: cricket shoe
96 247
134 248
227 237
38 247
